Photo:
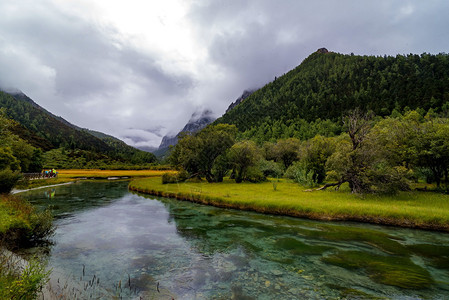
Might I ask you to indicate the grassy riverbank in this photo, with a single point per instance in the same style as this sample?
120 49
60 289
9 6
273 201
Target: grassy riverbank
21 225
408 209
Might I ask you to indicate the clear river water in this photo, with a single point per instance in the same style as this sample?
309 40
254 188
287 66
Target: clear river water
110 243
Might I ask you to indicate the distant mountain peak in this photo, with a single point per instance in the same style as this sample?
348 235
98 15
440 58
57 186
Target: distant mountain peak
322 51
245 94
11 91
206 113
197 121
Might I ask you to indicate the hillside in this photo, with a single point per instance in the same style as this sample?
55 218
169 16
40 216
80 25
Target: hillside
44 130
26 112
311 98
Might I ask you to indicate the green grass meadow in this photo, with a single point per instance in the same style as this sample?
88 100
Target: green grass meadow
425 210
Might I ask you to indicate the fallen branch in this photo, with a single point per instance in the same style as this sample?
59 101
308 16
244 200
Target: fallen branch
338 184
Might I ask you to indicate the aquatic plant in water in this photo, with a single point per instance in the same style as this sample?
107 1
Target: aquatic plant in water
389 270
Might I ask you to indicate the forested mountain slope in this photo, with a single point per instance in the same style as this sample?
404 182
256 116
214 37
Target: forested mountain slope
31 116
46 131
311 98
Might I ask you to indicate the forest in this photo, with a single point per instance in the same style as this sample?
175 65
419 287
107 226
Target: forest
373 154
379 124
312 98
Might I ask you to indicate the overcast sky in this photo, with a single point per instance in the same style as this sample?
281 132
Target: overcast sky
138 69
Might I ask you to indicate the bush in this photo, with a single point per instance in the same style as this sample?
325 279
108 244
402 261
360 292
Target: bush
220 168
390 180
271 169
8 180
23 225
301 175
170 177
290 173
254 174
306 178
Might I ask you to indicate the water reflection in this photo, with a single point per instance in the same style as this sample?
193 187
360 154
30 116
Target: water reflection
191 251
80 196
50 193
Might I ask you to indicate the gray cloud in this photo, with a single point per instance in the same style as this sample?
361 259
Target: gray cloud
81 71
253 41
95 75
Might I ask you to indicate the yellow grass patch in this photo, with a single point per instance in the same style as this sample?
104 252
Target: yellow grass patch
97 173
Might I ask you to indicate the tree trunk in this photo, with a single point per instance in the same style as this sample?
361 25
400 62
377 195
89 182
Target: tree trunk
209 177
239 176
232 176
338 184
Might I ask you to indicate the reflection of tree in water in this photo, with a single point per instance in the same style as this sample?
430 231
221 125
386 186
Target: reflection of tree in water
50 193
213 230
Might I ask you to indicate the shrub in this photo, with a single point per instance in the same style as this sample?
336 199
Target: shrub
8 180
170 177
301 175
24 225
270 169
291 171
306 178
254 174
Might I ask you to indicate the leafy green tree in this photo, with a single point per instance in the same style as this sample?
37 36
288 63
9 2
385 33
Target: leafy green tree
221 167
431 148
417 142
397 136
55 158
360 161
9 165
314 154
270 168
8 160
23 152
36 163
142 157
197 153
242 156
286 151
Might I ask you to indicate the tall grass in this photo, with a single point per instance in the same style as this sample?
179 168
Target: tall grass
21 224
408 209
20 279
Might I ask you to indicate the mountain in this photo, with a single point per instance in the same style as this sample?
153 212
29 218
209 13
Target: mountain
312 98
147 148
44 130
239 100
197 121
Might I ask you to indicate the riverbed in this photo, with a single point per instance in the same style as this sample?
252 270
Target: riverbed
111 242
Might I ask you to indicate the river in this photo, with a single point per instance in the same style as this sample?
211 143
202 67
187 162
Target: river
111 242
